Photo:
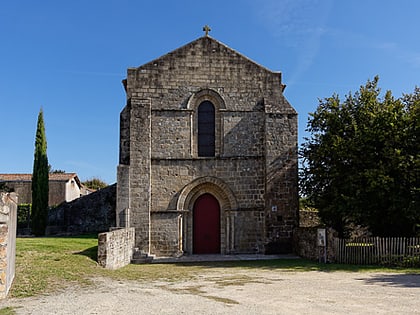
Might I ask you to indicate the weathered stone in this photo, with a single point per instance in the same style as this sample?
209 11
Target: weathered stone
8 207
115 248
253 173
93 213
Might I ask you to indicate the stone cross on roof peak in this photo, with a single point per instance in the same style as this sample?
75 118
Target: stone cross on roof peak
206 29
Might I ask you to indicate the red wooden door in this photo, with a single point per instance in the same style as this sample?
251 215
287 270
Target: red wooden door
206 225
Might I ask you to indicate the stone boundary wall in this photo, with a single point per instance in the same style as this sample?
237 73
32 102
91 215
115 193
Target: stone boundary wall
90 214
115 248
306 246
8 222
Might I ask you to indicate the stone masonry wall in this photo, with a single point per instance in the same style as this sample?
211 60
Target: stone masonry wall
249 227
93 213
281 178
22 189
165 234
139 173
8 222
245 176
115 248
255 148
203 63
305 243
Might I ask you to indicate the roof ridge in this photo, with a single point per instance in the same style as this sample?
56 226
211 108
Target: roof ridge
205 37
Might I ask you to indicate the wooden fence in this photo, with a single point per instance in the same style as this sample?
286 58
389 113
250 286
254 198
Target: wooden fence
402 251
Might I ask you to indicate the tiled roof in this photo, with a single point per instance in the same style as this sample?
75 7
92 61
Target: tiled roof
28 177
16 177
62 176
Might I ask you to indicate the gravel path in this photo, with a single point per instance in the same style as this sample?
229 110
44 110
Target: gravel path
237 291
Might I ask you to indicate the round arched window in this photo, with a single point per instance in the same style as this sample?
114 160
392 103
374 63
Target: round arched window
206 129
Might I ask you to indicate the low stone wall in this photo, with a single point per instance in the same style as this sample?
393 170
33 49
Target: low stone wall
93 213
8 222
306 243
115 248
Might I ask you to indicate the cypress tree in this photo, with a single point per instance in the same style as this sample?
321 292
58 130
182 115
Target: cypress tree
40 180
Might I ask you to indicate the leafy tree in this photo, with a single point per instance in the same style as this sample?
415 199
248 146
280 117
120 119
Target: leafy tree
53 171
40 180
94 183
5 188
58 172
361 165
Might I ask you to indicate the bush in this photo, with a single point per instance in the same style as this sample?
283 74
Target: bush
24 215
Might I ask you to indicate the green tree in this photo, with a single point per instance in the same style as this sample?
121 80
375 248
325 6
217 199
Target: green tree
94 183
40 180
51 170
361 165
5 188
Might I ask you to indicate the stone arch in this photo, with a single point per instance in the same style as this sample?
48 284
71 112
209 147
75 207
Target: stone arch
228 204
211 185
206 95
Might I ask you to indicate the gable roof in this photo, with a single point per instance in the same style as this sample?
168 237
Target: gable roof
213 54
61 177
207 39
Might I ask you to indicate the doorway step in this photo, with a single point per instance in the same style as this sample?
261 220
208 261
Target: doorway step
140 258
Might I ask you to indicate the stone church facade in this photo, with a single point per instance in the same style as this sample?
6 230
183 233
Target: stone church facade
208 155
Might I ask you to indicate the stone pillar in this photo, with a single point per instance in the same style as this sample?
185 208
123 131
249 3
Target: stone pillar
123 196
8 222
139 171
123 175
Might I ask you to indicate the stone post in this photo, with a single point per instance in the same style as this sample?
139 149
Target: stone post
8 222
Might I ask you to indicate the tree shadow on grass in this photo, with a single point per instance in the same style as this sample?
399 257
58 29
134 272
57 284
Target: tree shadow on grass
396 280
91 252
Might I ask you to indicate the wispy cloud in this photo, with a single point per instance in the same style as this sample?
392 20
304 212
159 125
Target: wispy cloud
93 73
400 53
300 24
393 50
295 18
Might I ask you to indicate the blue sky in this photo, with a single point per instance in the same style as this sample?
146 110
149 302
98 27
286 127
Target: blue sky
70 57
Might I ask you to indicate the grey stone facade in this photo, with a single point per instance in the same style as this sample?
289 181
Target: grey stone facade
253 173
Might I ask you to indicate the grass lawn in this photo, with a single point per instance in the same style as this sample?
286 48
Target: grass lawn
47 264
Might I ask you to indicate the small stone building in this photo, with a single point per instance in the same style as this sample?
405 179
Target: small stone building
62 187
208 155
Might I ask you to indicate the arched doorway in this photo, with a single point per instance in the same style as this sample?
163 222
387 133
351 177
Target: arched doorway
206 225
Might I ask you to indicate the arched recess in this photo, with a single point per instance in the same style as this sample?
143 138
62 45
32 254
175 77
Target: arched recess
206 95
228 206
194 102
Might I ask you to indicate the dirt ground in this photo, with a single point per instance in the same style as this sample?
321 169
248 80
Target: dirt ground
238 291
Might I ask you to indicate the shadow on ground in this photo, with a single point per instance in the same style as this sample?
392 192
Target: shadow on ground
91 252
396 280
